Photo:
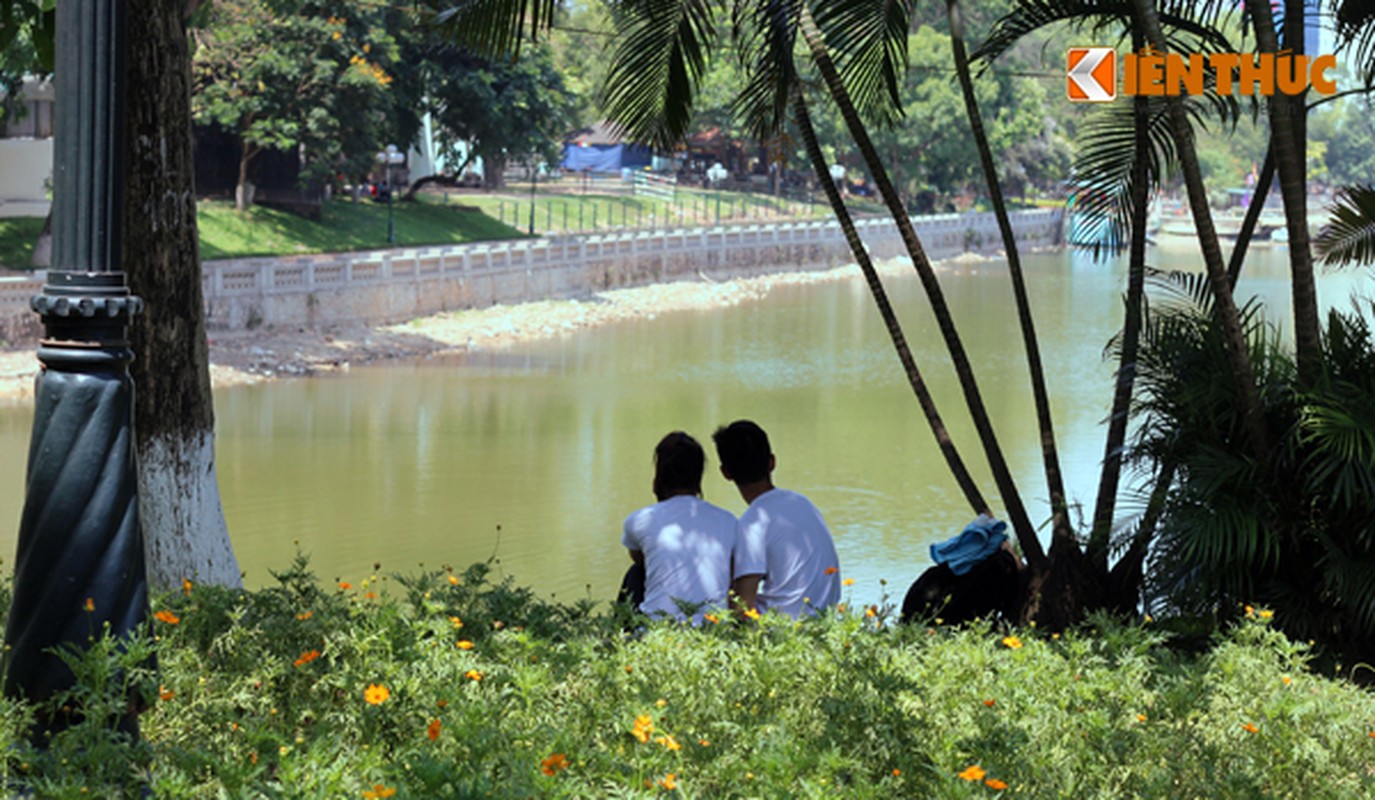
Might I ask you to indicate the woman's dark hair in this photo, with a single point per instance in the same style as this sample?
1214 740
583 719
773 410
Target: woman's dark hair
744 450
678 464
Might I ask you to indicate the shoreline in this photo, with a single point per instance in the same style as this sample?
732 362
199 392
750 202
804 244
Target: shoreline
243 358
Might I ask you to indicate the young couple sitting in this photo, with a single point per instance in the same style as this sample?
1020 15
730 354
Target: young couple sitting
692 557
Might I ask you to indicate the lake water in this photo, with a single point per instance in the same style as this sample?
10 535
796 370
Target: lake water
534 454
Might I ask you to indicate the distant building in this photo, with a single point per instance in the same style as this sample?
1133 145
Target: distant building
601 149
26 152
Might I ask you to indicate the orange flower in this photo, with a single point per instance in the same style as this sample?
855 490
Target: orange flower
1012 642
371 595
669 782
89 605
376 694
704 742
307 657
305 615
1140 717
848 582
186 586
463 644
973 772
456 622
832 570
378 791
644 726
994 783
629 669
1249 728
871 611
473 675
443 704
168 617
165 693
712 618
453 580
896 772
432 730
1286 680
989 703
669 743
555 763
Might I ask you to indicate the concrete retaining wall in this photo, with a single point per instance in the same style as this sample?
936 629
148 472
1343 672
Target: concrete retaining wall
395 285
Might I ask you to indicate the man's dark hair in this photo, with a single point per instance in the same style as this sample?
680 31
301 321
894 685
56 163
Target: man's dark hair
678 464
743 448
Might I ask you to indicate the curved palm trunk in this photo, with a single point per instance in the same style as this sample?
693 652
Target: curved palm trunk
1002 475
1062 536
1109 478
1248 225
1287 143
1224 305
885 308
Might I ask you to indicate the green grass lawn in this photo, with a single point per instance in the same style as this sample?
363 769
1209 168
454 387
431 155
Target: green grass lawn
452 685
17 237
345 226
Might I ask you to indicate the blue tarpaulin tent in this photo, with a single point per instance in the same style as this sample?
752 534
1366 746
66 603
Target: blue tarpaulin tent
599 149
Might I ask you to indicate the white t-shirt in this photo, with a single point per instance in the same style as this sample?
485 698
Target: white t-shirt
687 543
784 539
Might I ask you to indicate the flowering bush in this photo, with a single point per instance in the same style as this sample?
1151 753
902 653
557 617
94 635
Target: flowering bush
304 690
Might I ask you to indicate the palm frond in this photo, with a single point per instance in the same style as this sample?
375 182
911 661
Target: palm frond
1188 26
868 40
767 32
492 28
657 66
1349 235
1356 34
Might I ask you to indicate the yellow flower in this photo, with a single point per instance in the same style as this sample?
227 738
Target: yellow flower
1249 728
378 791
307 657
871 611
432 730
338 36
661 702
186 586
994 783
167 617
704 742
367 48
1250 612
1012 642
453 580
464 644
376 694
973 772
89 605
555 763
751 613
669 743
456 622
473 675
1265 613
848 582
644 726
669 782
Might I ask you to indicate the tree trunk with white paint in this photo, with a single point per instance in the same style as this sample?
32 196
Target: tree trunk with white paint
179 502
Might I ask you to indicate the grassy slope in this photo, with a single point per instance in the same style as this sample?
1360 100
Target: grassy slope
17 236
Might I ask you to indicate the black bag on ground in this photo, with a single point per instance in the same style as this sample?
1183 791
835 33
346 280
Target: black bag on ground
988 590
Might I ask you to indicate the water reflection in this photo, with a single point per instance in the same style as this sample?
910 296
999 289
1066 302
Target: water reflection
535 454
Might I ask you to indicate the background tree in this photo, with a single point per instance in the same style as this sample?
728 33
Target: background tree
296 75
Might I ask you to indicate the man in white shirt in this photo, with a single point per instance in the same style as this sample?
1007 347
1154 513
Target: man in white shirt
683 543
785 559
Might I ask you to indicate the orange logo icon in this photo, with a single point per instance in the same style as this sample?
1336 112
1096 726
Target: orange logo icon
1091 74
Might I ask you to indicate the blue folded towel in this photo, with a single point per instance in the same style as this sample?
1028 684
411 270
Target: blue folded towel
979 540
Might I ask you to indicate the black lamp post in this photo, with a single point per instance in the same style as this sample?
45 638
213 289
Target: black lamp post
391 156
79 566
